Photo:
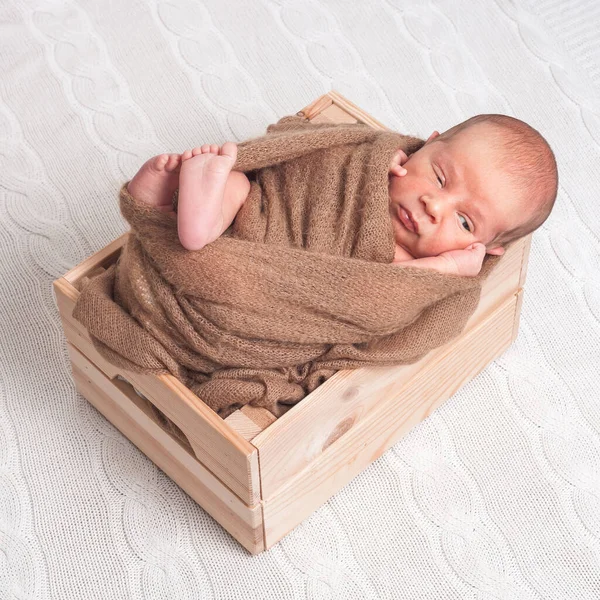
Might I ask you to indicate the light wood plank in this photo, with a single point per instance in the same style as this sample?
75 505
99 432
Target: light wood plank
353 110
261 416
245 426
316 107
525 259
501 283
338 115
121 406
103 258
382 415
322 119
219 447
298 438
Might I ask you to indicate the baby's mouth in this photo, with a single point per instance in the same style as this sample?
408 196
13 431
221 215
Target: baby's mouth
405 219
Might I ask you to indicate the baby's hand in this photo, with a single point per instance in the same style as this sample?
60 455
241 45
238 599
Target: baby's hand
465 262
398 160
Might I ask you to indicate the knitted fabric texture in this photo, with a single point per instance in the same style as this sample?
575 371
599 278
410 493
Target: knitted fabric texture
300 286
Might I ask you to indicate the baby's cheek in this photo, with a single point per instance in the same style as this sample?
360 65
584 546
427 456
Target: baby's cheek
432 245
397 186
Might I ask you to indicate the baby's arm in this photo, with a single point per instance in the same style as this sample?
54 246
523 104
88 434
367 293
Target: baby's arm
465 262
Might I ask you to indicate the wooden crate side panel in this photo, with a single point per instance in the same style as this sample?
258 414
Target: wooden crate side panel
103 258
340 406
525 259
332 107
379 426
503 282
217 446
123 408
244 425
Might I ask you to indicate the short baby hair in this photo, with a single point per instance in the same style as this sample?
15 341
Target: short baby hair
530 163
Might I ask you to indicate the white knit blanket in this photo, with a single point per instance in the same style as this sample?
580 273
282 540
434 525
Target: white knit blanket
495 495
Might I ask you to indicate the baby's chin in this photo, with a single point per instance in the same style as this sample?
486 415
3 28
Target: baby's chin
400 254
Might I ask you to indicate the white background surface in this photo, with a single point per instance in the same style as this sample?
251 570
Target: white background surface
496 495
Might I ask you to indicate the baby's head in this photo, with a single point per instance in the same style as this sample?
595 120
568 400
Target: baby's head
491 179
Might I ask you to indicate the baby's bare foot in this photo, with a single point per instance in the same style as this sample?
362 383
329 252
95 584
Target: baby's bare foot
205 149
156 182
204 172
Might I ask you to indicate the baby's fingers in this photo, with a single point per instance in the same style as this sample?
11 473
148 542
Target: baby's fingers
398 170
398 159
402 156
395 159
477 246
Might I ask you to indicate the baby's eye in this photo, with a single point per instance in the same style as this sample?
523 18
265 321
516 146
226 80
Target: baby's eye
461 217
440 180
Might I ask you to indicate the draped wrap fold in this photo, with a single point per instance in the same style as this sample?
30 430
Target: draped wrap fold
301 285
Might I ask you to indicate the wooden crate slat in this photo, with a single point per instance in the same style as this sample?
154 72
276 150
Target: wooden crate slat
338 115
221 449
355 111
244 425
261 416
379 427
124 410
103 258
316 107
502 282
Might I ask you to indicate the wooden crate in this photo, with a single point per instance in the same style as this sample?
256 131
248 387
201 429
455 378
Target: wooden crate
260 476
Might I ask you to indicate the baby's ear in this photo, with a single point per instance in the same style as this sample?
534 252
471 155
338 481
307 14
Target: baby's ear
497 251
432 136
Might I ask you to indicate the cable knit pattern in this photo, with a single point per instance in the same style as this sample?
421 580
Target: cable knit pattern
495 495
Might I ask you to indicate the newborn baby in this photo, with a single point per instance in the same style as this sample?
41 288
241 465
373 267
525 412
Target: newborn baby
483 183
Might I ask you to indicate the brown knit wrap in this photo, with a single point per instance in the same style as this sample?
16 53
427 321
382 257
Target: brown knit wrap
300 286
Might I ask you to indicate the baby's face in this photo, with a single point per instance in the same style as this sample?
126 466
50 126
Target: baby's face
456 193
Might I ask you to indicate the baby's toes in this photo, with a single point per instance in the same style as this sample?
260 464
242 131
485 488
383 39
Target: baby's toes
158 162
229 149
214 148
205 148
186 155
197 150
173 162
